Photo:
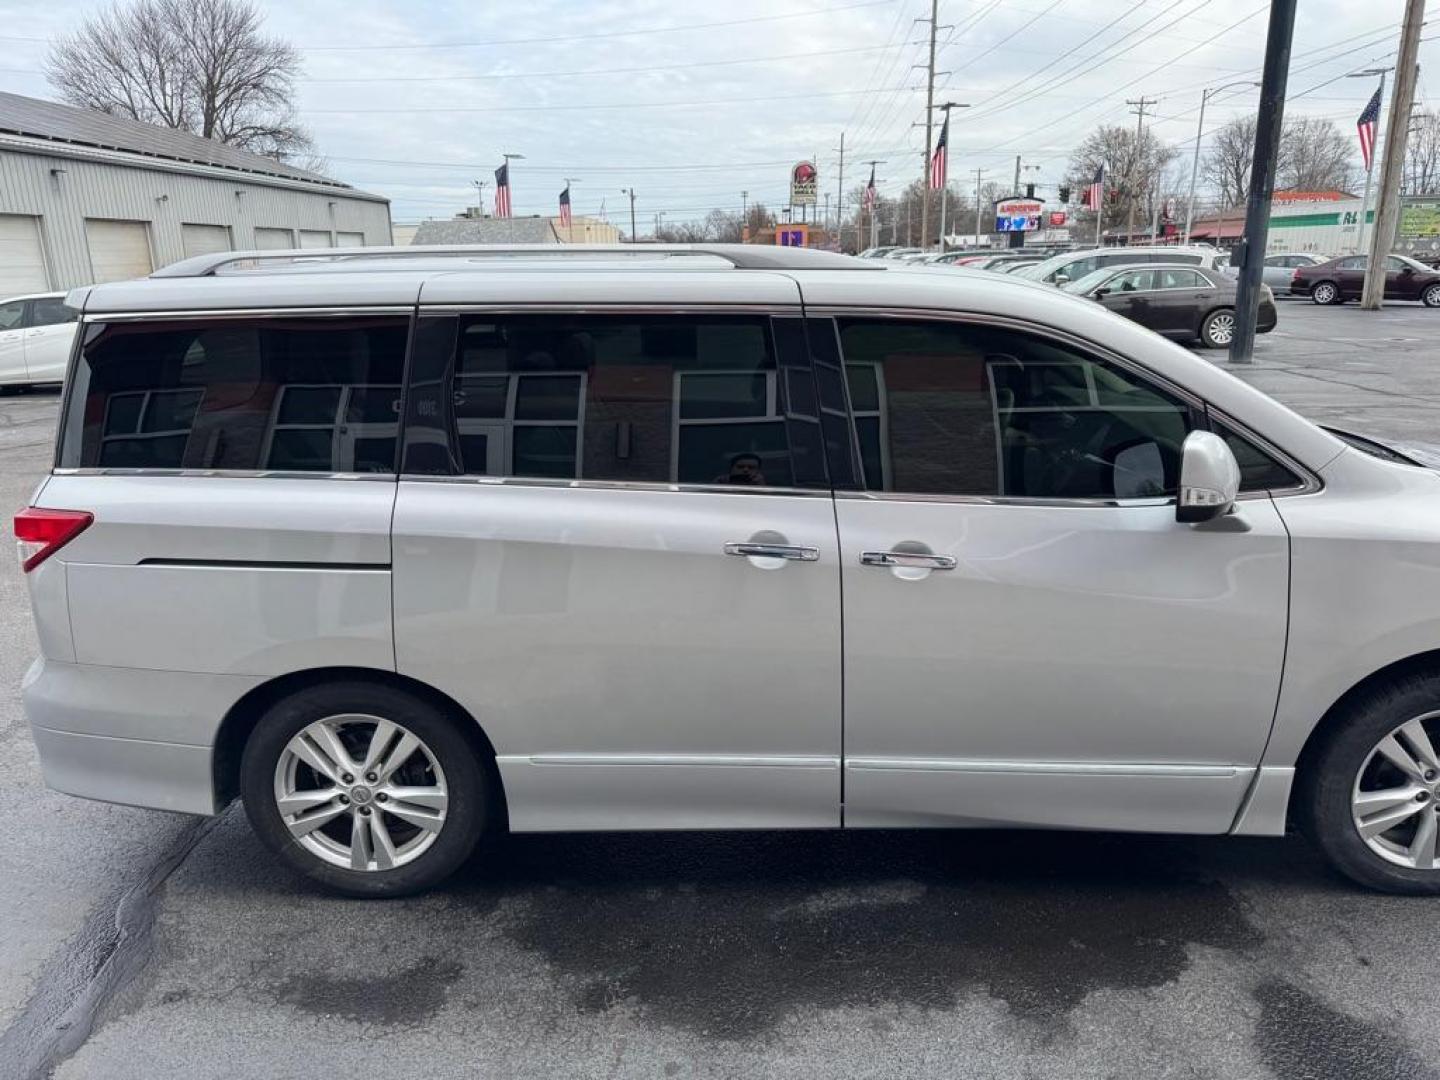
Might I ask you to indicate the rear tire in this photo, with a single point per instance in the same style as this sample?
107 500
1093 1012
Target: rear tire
365 788
1370 795
1218 329
1325 292
1431 296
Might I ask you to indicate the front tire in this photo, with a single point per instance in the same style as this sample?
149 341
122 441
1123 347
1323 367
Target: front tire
1431 296
1218 329
364 788
1325 292
1371 793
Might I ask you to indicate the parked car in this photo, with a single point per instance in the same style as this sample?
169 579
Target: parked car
875 253
1337 280
1073 265
1008 263
1180 302
902 253
1280 268
419 547
36 333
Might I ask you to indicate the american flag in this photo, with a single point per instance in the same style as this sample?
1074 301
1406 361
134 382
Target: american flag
938 158
502 191
1366 127
870 191
1094 195
565 207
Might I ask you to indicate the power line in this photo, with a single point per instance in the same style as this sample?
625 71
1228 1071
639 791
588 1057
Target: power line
585 107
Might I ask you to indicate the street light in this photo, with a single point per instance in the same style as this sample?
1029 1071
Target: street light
631 192
480 195
509 179
1205 96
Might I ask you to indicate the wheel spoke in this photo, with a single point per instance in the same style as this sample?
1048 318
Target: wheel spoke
308 823
329 740
429 820
360 847
431 798
1422 848
384 847
384 732
1385 820
307 751
1419 741
1372 802
404 746
297 802
1400 757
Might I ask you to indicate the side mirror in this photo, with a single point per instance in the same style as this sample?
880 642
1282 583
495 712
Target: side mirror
1062 278
1101 293
1209 479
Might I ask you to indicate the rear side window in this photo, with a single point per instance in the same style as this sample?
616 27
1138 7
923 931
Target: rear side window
293 395
51 311
701 400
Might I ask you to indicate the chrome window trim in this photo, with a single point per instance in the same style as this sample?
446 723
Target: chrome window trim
245 313
617 485
619 307
1311 482
999 500
228 474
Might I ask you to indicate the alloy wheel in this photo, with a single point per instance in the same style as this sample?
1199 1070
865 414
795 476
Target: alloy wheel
1432 296
1222 328
361 792
1395 803
1324 293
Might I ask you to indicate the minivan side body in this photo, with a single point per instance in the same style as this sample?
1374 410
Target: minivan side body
711 547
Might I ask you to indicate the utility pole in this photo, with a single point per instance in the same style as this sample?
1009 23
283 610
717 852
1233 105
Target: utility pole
1205 96
631 192
1268 126
1016 188
840 199
1392 170
929 130
978 174
1140 105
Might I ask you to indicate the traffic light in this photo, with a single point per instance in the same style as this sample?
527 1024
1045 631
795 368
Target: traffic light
1065 193
1029 191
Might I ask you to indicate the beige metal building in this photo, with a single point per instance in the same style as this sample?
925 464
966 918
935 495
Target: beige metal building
86 197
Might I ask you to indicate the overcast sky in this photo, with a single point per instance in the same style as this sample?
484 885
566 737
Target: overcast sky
692 102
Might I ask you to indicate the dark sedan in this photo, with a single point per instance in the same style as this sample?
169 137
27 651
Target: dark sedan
1342 279
1181 302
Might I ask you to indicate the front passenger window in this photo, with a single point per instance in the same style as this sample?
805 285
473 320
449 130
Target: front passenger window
958 409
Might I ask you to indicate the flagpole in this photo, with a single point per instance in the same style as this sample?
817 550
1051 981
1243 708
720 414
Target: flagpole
1100 211
1370 172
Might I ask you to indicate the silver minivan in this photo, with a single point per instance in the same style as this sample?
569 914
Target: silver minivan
407 546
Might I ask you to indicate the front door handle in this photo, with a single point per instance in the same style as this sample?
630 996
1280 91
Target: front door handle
773 551
913 559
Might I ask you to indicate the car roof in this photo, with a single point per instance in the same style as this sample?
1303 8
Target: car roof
31 296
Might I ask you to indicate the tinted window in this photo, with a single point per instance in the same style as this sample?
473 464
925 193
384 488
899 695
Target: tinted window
1355 262
285 394
953 409
1258 470
1179 279
51 311
661 399
1079 268
1189 260
12 315
1132 281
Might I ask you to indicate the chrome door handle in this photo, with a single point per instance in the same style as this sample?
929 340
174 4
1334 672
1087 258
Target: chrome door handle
912 559
773 551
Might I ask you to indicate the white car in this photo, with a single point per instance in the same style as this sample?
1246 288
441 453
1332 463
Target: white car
417 544
36 333
1073 265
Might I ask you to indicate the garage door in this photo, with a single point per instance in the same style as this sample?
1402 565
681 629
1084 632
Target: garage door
310 238
204 239
349 239
22 261
119 250
274 239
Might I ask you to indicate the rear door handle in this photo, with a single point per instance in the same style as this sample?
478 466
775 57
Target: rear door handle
773 551
912 559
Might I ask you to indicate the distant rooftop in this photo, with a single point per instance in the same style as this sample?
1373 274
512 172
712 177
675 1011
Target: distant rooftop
521 230
53 122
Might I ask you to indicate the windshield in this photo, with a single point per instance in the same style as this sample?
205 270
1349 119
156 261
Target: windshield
1412 263
1041 270
1084 284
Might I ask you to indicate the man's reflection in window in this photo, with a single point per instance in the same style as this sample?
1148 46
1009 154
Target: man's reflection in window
744 469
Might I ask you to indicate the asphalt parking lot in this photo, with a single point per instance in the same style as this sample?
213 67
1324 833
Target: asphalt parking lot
145 945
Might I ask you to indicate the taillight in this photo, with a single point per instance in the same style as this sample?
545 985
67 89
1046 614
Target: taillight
1295 276
41 533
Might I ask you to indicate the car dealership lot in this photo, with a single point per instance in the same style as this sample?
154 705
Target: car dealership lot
862 954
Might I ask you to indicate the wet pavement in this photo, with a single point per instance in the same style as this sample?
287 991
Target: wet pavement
146 945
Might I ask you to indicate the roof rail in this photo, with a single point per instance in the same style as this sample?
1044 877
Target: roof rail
740 256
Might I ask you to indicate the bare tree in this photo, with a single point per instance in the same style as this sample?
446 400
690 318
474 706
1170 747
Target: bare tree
1315 156
1133 168
1227 163
1422 154
202 66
